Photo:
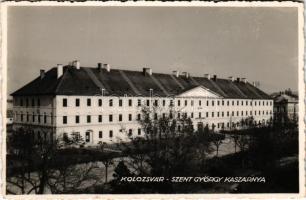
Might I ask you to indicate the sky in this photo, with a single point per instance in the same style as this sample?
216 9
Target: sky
260 44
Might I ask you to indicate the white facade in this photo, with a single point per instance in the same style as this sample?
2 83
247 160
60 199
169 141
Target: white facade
102 118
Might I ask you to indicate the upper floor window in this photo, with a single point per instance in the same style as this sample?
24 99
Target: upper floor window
207 103
185 102
200 102
138 116
213 103
110 118
27 102
88 118
164 102
227 102
120 102
242 103
100 134
120 117
139 131
148 102
246 103
130 102
45 118
218 103
77 119
191 102
33 117
156 102
64 119
233 103
64 102
110 133
130 117
139 102
33 102
222 102
110 103
100 102
178 103
237 103
77 102
100 118
88 102
171 102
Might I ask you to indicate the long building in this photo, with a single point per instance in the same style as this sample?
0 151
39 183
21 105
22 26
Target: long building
104 104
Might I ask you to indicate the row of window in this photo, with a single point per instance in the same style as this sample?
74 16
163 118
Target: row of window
156 102
162 102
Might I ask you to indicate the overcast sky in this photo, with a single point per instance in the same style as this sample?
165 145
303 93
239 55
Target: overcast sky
260 44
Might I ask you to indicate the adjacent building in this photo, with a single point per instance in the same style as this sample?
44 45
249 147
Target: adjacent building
286 106
104 105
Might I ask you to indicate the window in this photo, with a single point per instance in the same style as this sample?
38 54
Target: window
155 116
218 114
148 102
100 102
228 113
45 118
250 112
241 113
259 103
200 102
212 114
228 103
164 102
100 134
138 116
27 102
222 114
139 102
218 103
27 116
178 115
120 117
100 118
242 103
255 103
156 103
21 102
164 115
222 102
213 103
233 113
200 114
38 102
110 103
110 118
250 103
64 102
139 131
120 102
246 113
237 103
77 102
237 113
207 103
130 133
130 117
111 134
185 102
255 112
171 102
191 102
38 118
88 118
33 102
233 103
178 103
191 115
130 102
33 117
259 112
88 102
64 119
77 119
21 117
246 102
206 114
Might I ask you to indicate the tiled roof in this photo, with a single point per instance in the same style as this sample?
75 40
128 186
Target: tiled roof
91 81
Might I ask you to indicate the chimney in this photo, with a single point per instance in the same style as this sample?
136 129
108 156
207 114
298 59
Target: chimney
76 64
99 66
147 71
207 76
186 74
244 80
59 70
215 77
231 78
238 80
42 73
107 67
176 73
